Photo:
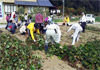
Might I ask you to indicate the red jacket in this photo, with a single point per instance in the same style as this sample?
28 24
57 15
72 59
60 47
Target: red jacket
39 18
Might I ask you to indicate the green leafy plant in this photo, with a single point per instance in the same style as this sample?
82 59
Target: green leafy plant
15 55
39 45
22 18
21 10
93 28
86 55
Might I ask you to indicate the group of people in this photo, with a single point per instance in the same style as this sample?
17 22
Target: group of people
45 26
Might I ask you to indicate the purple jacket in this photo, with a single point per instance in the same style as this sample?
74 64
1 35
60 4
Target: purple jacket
39 18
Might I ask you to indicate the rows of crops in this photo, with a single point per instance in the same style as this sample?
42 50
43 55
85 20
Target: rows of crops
16 55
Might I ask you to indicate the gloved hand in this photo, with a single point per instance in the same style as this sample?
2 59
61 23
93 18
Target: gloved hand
34 40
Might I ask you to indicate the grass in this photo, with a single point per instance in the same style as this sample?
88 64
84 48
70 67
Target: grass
97 19
3 23
58 20
76 19
61 20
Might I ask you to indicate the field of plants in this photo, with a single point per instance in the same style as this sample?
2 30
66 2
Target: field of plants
19 55
97 19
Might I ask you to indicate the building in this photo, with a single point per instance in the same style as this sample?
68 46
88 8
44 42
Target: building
8 6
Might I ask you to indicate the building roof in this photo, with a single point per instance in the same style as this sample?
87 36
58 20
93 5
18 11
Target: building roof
44 3
26 3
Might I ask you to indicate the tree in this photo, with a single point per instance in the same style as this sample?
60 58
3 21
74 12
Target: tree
21 10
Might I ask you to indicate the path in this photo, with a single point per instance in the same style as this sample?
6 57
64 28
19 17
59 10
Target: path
53 63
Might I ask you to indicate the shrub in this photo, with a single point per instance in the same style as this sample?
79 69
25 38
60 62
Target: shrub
87 55
93 28
15 55
21 10
39 45
29 16
22 18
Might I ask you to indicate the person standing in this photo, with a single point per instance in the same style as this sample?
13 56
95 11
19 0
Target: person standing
26 17
83 21
39 21
8 20
77 30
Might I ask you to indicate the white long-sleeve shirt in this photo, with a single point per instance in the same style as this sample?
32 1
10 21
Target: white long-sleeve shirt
23 29
26 18
51 32
83 19
75 27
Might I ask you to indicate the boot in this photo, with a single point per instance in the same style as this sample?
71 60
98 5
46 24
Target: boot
46 48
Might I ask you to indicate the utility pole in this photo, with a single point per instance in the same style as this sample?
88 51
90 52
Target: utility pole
63 6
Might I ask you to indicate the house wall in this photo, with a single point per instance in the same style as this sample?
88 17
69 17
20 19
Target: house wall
9 2
27 0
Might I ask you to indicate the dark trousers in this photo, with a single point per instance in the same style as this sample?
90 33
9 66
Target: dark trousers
7 25
40 27
23 33
83 25
13 31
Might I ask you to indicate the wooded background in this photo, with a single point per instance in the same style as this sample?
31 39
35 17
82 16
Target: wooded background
75 7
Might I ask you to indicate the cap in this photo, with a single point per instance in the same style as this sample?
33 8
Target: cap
83 13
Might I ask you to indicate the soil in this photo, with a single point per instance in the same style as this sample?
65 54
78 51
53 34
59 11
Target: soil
84 37
53 63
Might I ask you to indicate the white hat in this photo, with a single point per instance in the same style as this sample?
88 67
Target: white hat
83 13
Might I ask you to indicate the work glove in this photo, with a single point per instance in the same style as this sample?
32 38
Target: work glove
34 40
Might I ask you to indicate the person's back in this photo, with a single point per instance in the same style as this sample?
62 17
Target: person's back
25 17
12 16
78 29
7 18
53 35
23 29
53 30
31 26
9 26
76 26
39 18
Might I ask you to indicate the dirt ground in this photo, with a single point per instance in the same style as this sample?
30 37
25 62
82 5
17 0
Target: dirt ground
53 63
84 37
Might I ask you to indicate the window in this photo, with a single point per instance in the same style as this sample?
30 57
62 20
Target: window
10 8
14 8
30 9
5 8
